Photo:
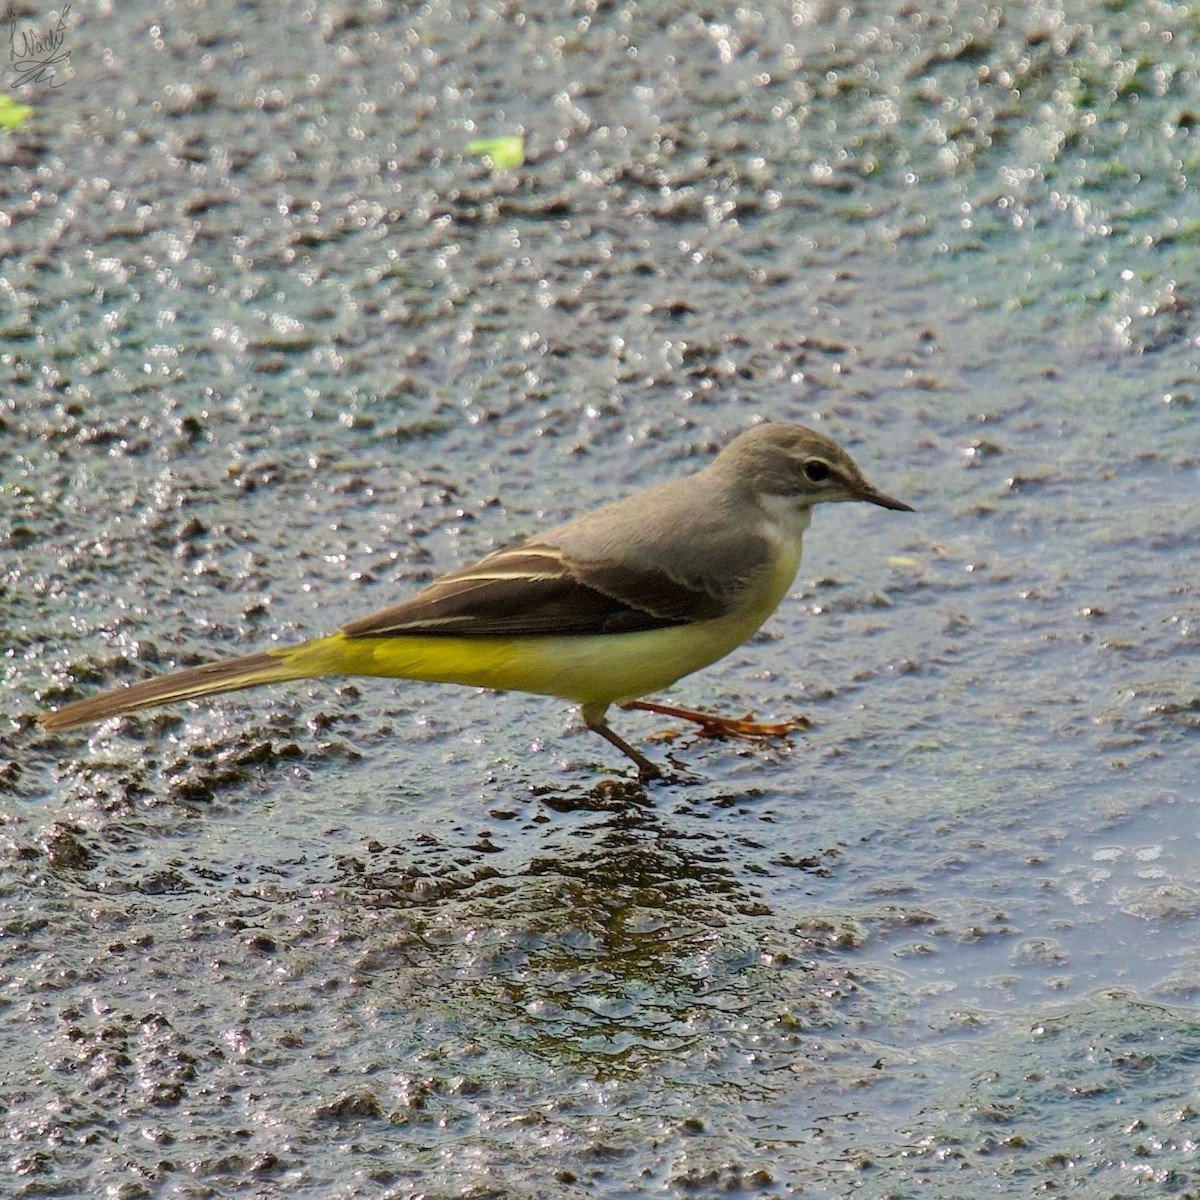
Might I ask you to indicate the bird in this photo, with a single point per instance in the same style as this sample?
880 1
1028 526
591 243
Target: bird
613 605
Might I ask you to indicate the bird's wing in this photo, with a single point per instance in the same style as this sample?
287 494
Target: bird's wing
533 589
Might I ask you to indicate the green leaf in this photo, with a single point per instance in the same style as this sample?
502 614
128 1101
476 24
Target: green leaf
12 112
503 153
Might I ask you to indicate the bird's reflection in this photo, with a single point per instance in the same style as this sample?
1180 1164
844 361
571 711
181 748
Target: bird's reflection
612 931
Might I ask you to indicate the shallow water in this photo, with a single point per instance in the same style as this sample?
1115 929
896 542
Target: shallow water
275 351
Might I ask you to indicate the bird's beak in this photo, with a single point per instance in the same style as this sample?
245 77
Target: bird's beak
876 497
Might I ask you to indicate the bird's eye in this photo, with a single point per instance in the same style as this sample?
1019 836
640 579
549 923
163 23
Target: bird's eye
816 470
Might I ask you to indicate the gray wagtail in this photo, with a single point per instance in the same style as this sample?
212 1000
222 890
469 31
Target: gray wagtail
600 610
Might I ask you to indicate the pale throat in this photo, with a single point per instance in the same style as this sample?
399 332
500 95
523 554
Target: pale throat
787 517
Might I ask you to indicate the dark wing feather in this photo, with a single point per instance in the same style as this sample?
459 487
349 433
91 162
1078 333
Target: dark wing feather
531 589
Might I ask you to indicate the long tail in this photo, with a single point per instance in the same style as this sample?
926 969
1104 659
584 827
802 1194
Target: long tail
273 666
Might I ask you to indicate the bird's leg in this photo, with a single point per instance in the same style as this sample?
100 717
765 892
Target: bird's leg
593 718
712 725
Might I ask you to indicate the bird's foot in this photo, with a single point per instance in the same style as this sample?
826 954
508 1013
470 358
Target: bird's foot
647 769
715 726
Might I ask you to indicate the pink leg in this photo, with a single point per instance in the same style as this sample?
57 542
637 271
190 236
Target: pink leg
712 725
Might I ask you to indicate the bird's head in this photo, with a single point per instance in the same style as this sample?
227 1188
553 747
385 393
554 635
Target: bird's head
799 465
